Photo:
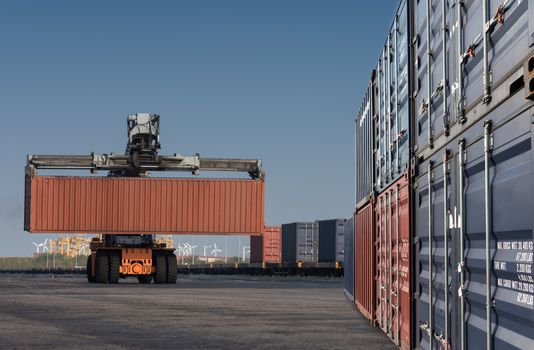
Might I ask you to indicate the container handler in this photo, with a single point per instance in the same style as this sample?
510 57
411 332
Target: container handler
115 256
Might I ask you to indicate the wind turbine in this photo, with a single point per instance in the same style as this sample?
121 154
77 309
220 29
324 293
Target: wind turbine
83 248
192 252
246 251
181 249
40 245
206 254
187 248
215 250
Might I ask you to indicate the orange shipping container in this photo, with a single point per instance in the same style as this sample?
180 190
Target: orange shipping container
115 205
364 261
392 223
268 247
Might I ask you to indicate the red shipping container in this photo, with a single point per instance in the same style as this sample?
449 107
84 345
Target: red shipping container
267 248
364 261
114 205
392 223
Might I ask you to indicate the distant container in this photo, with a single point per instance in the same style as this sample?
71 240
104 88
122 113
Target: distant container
348 265
267 248
300 242
112 205
392 232
331 240
365 262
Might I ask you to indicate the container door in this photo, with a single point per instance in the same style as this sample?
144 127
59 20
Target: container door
401 265
348 266
341 227
435 258
498 217
303 242
383 207
307 242
365 263
314 233
393 263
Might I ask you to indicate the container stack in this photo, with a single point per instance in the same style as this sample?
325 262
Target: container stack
443 239
473 183
382 231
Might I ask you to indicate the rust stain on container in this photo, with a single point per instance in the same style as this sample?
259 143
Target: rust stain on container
364 261
268 247
392 223
144 205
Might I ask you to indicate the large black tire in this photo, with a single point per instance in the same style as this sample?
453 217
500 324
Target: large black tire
161 269
101 268
114 267
89 269
144 279
172 269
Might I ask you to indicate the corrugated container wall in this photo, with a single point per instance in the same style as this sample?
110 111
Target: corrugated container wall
471 83
267 247
392 146
465 71
365 262
474 191
300 242
331 240
364 151
348 266
474 201
392 225
112 205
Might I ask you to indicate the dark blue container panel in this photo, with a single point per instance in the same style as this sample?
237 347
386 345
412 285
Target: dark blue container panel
300 242
431 195
327 240
512 208
461 83
510 198
348 265
340 240
289 243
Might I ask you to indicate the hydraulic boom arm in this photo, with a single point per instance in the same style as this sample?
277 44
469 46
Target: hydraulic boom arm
114 162
142 156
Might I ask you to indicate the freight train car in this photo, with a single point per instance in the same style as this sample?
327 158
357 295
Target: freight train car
443 226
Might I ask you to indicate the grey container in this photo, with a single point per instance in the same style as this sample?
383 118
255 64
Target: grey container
465 71
364 147
348 265
477 230
392 104
331 240
300 242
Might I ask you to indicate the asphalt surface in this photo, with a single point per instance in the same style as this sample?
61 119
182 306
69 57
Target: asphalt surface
199 312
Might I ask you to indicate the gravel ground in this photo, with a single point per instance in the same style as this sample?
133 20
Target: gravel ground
199 312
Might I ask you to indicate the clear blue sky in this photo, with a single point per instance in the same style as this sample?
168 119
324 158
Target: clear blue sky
276 80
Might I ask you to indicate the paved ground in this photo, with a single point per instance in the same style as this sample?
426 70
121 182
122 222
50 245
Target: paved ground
200 312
